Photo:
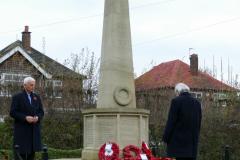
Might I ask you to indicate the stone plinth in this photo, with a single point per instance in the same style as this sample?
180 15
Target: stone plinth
121 125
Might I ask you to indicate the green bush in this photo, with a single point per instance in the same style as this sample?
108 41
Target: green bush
4 154
6 133
220 127
62 131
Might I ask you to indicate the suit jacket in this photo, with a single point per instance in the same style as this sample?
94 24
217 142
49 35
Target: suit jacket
183 126
26 135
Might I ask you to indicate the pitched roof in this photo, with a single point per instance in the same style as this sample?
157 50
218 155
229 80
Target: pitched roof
49 65
170 73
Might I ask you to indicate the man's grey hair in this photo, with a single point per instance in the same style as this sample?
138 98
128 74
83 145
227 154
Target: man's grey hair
181 87
28 79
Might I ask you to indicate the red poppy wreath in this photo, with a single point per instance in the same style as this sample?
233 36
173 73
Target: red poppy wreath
109 151
132 152
147 151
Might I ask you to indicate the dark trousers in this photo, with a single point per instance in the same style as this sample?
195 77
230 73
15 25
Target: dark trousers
185 158
27 156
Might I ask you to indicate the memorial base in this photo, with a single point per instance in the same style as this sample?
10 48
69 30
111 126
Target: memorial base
123 126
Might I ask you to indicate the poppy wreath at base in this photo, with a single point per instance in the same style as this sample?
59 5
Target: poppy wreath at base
132 152
109 151
147 151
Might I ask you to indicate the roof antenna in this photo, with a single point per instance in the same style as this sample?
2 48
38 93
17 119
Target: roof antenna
213 68
221 70
43 51
190 51
43 45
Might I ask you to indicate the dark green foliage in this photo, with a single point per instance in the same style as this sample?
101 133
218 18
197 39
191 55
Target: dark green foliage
6 131
220 127
63 130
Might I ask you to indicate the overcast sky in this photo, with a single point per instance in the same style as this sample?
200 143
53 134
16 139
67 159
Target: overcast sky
162 30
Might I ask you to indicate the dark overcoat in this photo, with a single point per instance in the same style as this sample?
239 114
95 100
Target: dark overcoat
183 126
26 135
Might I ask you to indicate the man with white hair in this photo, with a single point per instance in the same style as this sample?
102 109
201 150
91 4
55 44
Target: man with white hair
27 111
183 125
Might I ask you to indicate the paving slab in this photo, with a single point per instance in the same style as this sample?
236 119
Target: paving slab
68 159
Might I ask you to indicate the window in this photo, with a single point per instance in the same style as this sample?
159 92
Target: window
7 78
1 119
4 92
85 84
197 95
238 94
220 96
223 103
54 88
57 83
221 99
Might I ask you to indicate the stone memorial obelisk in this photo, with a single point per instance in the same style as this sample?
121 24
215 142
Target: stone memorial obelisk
116 118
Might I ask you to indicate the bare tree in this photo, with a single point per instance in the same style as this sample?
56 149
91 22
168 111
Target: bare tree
87 64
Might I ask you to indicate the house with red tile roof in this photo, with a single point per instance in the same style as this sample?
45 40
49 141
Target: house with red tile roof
168 74
155 88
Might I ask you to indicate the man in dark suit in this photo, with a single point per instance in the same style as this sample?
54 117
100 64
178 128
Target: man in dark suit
27 111
183 125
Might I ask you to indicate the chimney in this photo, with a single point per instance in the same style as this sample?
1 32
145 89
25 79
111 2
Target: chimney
26 39
194 64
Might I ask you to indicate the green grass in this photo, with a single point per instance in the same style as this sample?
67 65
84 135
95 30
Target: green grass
52 154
